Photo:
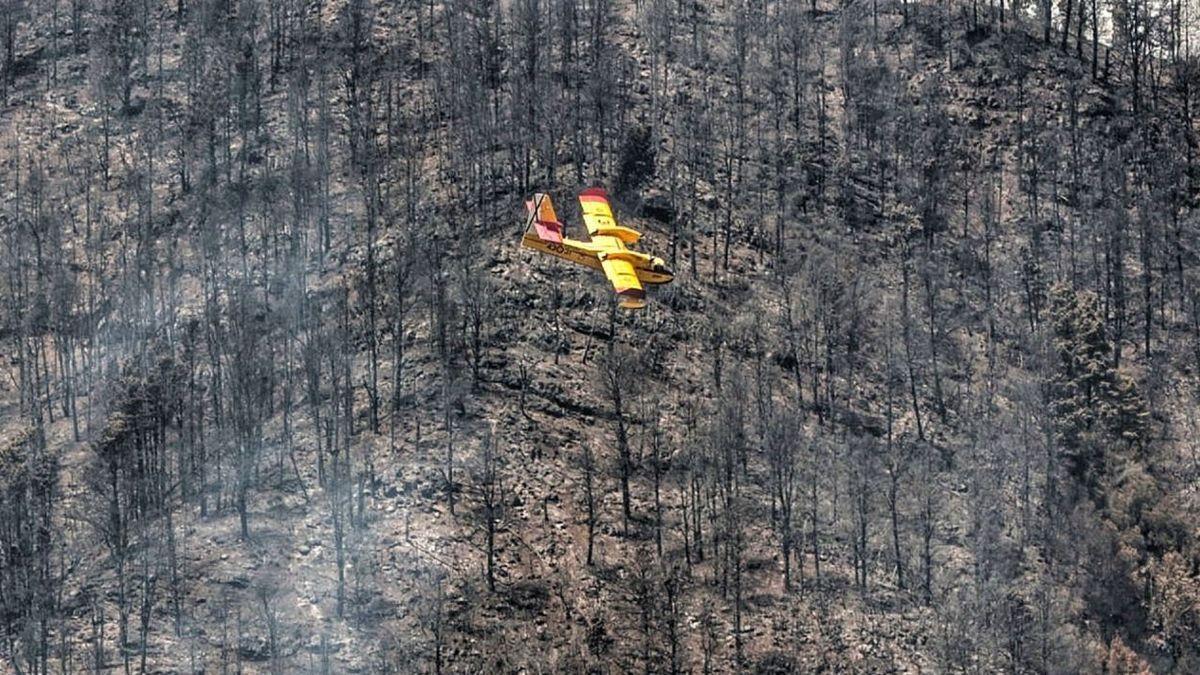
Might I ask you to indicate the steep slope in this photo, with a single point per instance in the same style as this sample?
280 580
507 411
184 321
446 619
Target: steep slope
285 395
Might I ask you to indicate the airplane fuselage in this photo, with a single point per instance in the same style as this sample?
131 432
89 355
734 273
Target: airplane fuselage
588 254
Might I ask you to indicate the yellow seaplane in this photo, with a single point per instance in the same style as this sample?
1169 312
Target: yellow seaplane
607 250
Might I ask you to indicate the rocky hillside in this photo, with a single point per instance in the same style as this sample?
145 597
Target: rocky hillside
282 393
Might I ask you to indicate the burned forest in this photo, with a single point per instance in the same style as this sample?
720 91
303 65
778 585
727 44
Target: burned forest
281 390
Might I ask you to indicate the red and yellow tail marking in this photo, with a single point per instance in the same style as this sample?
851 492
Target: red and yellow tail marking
545 221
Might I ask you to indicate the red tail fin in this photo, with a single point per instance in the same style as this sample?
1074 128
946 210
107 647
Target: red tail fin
541 211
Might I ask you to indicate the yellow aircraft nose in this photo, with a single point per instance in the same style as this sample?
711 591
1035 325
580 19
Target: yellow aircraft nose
660 269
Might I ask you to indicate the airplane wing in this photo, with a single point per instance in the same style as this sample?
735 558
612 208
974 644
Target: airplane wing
625 282
598 216
611 238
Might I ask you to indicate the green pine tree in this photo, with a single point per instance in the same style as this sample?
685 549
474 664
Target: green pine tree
1097 408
